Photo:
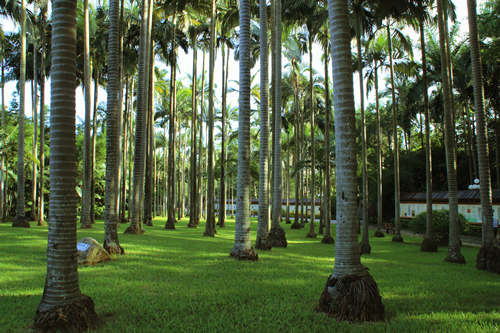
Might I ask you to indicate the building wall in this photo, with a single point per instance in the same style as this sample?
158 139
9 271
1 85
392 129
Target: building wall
472 212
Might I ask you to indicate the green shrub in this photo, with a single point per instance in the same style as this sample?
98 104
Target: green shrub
440 224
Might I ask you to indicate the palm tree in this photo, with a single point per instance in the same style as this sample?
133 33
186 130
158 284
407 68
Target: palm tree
454 254
3 175
43 14
350 292
487 258
113 133
20 220
140 135
263 242
63 306
86 198
193 209
277 234
210 223
242 248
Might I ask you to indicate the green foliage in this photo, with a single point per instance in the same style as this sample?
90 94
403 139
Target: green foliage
177 279
440 224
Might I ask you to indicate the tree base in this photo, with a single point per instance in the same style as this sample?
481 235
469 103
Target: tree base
134 230
365 248
77 316
455 257
248 254
170 224
488 259
311 234
192 225
263 244
20 222
277 236
209 233
397 238
149 222
113 247
327 239
379 233
296 225
352 298
86 226
429 245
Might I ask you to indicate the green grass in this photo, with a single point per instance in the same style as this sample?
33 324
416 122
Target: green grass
180 281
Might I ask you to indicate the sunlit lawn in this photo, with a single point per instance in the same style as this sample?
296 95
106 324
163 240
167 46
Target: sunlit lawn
180 281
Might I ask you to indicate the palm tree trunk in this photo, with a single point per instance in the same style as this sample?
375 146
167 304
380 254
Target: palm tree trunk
296 154
222 187
277 234
193 193
395 141
170 224
327 238
454 254
2 159
364 246
312 233
487 258
210 223
263 242
429 243
21 220
380 227
126 134
113 134
350 292
140 135
63 306
200 143
34 214
148 193
86 197
242 248
94 137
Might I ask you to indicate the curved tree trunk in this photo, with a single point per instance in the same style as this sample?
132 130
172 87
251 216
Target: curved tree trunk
242 248
86 197
454 254
395 141
63 307
487 258
350 292
210 223
263 242
20 220
277 234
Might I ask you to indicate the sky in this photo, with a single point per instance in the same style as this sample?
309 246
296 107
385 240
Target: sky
185 69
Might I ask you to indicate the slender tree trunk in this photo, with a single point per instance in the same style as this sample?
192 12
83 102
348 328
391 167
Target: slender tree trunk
395 137
365 247
312 232
210 223
86 186
3 175
193 193
487 258
222 189
350 292
380 227
140 135
429 244
148 193
126 134
263 242
21 220
113 134
454 254
296 157
327 238
242 243
34 214
200 142
63 307
277 234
